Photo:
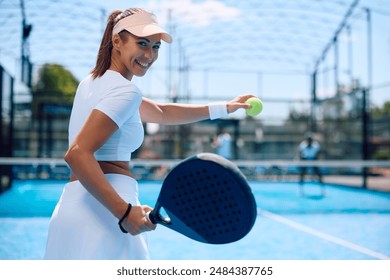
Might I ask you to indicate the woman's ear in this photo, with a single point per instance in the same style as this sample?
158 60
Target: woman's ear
116 41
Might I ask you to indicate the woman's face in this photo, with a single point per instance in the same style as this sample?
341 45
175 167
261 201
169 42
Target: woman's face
136 54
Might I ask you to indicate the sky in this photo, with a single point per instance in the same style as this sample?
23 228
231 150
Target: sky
223 47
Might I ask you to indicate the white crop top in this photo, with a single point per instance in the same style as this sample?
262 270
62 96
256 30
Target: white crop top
119 99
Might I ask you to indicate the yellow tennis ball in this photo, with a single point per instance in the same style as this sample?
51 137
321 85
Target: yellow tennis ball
257 106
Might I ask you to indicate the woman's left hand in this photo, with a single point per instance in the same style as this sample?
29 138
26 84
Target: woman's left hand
239 103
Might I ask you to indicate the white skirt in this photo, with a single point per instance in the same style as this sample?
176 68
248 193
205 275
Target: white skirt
82 228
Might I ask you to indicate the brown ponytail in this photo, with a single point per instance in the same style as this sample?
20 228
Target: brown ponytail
103 61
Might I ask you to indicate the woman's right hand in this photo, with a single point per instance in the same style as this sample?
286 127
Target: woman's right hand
137 222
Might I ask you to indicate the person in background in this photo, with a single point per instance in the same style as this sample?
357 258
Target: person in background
223 144
309 149
99 215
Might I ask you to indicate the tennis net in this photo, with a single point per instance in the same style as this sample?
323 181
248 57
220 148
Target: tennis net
373 174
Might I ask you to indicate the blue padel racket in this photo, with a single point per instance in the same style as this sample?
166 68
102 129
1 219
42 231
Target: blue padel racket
206 198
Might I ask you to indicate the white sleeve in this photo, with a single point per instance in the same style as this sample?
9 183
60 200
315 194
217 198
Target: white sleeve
120 103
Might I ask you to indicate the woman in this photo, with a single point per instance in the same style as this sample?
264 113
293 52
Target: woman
100 203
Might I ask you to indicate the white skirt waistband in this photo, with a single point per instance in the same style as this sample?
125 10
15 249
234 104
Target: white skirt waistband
125 186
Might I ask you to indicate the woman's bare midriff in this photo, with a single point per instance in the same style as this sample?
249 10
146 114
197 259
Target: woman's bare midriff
111 167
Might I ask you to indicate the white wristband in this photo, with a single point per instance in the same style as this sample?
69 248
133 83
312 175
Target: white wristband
218 110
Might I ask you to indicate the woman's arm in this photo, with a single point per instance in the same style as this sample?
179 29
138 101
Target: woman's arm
80 157
178 113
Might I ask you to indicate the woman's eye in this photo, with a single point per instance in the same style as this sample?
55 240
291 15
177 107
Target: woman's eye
144 44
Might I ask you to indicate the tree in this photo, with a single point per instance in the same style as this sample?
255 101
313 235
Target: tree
53 95
55 85
55 80
382 111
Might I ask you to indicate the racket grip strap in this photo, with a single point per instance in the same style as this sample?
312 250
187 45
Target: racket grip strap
124 217
150 217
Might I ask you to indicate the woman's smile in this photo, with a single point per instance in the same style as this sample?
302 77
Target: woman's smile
144 65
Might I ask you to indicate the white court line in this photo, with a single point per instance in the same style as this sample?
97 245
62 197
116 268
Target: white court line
323 235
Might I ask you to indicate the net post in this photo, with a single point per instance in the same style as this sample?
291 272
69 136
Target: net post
365 135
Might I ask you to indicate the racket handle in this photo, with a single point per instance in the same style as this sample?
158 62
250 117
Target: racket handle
157 218
151 218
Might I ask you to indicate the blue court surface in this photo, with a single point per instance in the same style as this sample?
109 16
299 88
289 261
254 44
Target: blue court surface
346 224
